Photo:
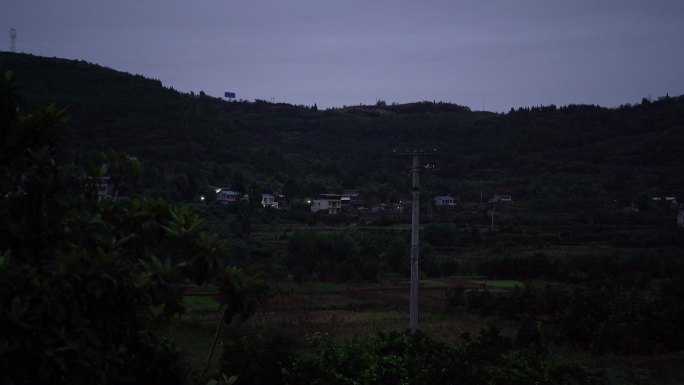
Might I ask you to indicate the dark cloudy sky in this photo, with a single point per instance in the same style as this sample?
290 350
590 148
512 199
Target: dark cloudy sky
496 53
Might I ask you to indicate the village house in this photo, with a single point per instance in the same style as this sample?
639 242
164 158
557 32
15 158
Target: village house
500 198
352 199
102 187
269 200
328 203
381 207
665 201
397 208
404 205
226 195
445 201
345 202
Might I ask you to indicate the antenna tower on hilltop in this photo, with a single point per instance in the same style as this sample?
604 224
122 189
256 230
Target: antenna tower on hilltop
13 40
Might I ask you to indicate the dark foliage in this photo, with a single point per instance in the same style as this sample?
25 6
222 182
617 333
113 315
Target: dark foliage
595 319
391 358
569 158
85 284
259 356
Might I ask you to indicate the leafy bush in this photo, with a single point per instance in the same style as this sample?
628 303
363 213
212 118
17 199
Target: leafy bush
258 356
441 234
392 358
455 296
594 319
85 284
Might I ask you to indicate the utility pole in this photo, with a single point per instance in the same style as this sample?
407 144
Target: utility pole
415 222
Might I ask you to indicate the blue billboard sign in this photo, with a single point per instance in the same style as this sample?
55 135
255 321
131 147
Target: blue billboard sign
230 95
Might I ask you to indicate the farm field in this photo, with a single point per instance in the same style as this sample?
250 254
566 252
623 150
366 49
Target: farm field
340 310
339 278
356 310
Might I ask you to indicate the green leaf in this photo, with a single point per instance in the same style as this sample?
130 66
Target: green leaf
103 170
17 309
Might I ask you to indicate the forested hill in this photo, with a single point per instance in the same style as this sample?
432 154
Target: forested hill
560 157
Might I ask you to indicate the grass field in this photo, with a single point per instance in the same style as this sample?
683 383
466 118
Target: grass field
308 287
340 310
499 284
355 310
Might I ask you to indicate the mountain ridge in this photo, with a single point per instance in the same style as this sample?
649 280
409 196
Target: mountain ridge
579 152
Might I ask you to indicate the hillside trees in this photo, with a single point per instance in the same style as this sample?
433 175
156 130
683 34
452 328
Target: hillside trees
564 158
84 283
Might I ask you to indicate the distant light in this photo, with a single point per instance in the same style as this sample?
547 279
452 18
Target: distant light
218 190
308 201
202 197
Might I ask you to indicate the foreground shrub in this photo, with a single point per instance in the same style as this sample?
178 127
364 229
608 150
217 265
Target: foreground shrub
392 358
85 284
258 356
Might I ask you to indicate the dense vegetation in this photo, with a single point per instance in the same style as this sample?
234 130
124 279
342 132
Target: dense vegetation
562 158
393 358
87 286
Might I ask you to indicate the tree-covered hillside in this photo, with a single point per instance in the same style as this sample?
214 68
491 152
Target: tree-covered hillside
547 156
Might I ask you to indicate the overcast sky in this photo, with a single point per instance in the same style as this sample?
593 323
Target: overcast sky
497 54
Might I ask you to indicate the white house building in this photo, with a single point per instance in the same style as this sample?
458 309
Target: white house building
268 200
328 203
104 189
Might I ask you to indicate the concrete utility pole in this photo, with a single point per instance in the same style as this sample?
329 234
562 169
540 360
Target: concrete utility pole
415 221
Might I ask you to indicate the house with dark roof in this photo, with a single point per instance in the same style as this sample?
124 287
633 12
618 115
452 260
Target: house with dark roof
226 195
444 201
